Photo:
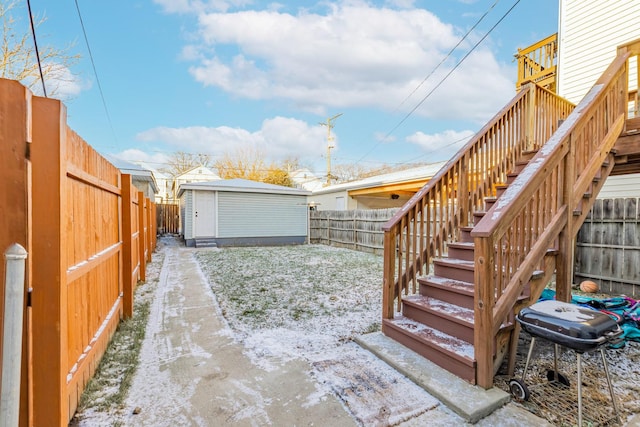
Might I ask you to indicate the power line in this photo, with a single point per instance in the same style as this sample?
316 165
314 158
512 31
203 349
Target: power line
455 67
448 54
95 72
35 44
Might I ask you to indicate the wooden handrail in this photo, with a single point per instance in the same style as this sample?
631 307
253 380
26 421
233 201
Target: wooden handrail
433 216
537 63
539 209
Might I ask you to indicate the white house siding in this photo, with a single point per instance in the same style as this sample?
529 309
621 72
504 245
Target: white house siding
589 34
620 186
329 201
186 220
253 215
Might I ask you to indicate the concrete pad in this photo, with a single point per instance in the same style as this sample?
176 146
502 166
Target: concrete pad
470 402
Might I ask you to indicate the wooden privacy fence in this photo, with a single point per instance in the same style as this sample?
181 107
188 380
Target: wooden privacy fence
608 247
168 218
355 229
87 232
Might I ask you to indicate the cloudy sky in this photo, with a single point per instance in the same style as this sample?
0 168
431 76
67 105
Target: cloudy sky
412 80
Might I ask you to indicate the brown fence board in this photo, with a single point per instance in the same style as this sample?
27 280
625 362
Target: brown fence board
353 229
168 218
608 247
64 203
15 221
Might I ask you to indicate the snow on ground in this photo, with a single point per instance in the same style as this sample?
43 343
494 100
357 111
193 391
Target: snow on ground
309 302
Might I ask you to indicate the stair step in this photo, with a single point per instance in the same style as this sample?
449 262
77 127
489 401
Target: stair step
477 216
500 189
520 165
511 176
448 290
450 353
461 250
465 234
448 318
452 268
489 202
205 244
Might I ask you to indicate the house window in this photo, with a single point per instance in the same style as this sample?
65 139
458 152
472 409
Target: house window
340 206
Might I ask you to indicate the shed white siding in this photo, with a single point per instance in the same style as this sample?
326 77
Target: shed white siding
590 32
261 215
186 218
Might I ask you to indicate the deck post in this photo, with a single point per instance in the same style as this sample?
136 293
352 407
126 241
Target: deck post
530 123
564 266
483 337
388 274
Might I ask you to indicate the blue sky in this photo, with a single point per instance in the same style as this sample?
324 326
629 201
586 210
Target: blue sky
218 76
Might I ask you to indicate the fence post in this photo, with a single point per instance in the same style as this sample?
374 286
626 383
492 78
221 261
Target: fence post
49 279
15 173
142 238
128 269
15 257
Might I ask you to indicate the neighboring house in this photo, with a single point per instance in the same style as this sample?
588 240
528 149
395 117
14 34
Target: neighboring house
589 33
239 212
389 190
143 179
165 184
305 179
197 174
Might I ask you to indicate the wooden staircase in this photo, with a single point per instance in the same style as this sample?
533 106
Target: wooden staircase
484 237
438 322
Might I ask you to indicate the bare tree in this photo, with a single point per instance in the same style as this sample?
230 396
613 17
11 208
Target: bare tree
181 162
18 57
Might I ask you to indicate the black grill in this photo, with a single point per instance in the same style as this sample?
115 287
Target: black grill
568 325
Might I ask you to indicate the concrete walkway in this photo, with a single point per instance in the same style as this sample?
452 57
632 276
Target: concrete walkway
192 372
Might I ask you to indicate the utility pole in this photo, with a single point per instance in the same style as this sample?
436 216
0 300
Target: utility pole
330 145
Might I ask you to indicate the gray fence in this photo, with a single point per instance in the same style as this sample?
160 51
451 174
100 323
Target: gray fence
356 229
608 247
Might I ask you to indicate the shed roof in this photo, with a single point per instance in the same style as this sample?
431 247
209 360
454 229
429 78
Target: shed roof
139 172
240 185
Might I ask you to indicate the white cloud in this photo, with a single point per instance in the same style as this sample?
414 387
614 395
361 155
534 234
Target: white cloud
60 82
199 6
151 161
406 4
356 55
443 144
280 137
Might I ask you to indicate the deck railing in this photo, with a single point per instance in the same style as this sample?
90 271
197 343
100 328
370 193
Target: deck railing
543 208
537 63
433 216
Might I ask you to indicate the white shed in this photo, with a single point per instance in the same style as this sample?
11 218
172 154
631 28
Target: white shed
240 212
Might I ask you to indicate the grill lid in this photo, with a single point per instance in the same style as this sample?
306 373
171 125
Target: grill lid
568 324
